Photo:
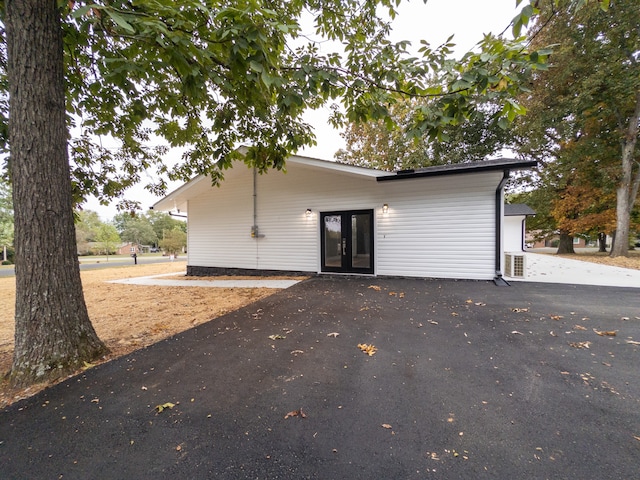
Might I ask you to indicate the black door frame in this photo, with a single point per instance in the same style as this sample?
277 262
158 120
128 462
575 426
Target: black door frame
347 238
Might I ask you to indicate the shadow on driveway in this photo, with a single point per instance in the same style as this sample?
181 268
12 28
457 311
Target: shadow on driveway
469 381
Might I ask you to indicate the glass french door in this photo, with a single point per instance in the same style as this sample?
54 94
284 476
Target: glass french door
347 241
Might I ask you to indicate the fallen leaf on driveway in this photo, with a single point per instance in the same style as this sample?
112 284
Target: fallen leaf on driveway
519 310
277 337
515 332
604 333
374 287
297 352
632 342
87 365
296 413
168 405
580 344
368 349
386 425
556 317
636 437
579 327
333 334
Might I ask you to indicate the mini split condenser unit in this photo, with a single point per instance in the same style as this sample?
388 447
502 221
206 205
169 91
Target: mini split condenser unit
514 265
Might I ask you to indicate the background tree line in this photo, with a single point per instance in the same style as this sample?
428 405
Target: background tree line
96 237
6 223
581 125
151 229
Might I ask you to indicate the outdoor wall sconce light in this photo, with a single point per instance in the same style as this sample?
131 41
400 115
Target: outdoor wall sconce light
308 212
385 208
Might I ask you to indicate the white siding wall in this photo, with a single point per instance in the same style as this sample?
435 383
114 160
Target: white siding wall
513 235
442 227
436 227
219 225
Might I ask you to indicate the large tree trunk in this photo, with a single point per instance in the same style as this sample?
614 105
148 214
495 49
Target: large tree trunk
602 242
53 334
627 190
566 244
620 246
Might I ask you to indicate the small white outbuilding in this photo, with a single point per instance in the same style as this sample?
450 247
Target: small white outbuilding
326 217
515 216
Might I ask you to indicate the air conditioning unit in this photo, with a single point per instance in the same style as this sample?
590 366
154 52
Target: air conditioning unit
514 265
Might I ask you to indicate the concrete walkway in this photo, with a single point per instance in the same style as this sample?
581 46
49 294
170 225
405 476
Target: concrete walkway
156 280
553 269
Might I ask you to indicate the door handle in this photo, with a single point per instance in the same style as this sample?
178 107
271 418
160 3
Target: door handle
344 246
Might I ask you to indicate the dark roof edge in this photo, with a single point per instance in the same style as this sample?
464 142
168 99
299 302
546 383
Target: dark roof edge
500 164
517 210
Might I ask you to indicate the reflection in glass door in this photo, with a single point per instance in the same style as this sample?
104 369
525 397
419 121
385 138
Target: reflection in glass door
333 241
347 241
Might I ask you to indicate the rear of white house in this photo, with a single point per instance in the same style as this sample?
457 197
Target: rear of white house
325 217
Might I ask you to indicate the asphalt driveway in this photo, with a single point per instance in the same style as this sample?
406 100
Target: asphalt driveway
469 381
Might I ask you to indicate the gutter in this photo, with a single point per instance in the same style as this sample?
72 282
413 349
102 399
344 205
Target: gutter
498 280
255 230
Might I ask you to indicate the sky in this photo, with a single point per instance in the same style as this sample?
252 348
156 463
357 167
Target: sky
467 20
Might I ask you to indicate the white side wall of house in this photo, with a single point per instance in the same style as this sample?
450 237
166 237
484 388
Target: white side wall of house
442 227
436 227
513 233
219 225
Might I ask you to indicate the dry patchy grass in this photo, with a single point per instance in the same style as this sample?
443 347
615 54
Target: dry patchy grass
129 317
632 261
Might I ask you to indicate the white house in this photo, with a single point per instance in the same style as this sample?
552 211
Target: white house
515 216
326 217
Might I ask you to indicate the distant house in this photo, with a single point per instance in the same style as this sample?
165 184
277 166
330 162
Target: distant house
552 240
128 248
94 248
515 216
326 217
98 248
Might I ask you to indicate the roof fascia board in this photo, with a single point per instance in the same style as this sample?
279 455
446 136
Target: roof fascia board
177 195
336 166
458 169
